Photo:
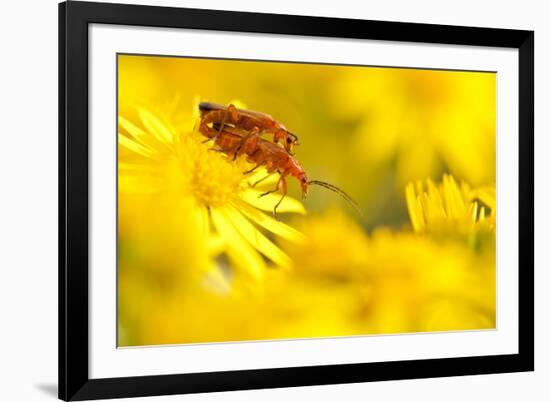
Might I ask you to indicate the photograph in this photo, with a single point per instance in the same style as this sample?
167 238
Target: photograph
272 200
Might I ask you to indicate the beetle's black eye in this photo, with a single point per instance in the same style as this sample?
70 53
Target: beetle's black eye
289 140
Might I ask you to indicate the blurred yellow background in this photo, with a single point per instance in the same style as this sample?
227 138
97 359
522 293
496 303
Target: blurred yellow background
201 260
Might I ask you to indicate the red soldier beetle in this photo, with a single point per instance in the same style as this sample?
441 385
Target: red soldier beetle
243 119
236 141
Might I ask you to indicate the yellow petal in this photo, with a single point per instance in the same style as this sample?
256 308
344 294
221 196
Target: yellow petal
143 137
415 210
256 238
486 195
216 281
133 184
134 146
215 244
453 198
268 202
426 207
202 227
243 256
155 126
473 211
130 169
267 222
436 202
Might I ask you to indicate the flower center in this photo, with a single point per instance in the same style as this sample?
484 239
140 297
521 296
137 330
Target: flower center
213 178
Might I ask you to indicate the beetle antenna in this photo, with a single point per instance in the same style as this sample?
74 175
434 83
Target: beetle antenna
340 192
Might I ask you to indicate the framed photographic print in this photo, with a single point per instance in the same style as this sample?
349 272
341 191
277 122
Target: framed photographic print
256 200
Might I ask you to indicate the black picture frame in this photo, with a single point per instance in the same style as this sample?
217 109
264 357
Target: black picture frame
74 381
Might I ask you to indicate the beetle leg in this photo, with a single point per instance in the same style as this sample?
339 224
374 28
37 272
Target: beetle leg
274 190
212 119
282 180
221 126
262 179
251 170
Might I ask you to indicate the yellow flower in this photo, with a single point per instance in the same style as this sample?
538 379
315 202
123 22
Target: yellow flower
420 121
448 207
219 212
415 284
336 247
388 282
